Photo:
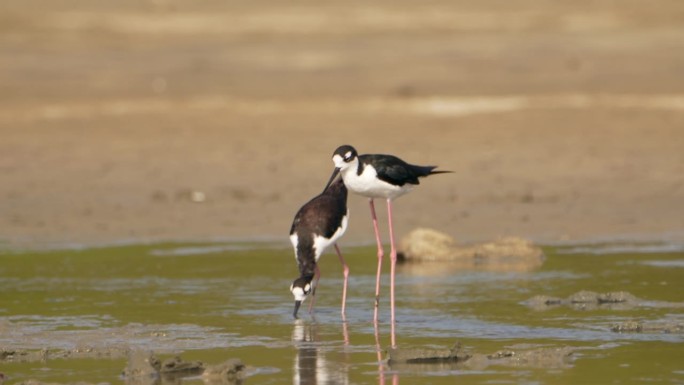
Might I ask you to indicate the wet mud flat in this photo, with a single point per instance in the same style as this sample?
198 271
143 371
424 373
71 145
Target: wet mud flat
102 315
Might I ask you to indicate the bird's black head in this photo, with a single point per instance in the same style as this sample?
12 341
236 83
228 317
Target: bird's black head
343 157
345 154
300 288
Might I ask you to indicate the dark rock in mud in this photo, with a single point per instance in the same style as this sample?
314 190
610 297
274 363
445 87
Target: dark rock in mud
231 371
506 254
647 327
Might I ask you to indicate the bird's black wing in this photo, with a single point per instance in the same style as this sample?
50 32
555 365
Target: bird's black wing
322 214
394 170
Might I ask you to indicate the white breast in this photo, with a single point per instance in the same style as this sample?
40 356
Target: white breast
321 243
368 184
294 239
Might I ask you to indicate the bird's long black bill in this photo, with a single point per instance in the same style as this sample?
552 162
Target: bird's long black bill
336 171
297 305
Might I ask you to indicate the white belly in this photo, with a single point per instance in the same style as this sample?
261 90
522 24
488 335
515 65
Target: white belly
368 185
321 243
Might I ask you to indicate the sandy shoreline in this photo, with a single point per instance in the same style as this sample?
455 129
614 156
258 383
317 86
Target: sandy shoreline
555 133
527 185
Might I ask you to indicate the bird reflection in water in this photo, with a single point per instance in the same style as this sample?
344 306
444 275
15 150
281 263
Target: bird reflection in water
311 366
382 368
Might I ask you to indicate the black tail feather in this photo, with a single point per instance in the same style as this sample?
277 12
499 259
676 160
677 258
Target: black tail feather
428 170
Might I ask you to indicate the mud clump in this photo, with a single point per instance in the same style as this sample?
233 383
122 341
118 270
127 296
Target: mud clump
587 300
231 371
141 365
176 366
617 297
591 297
145 368
427 356
543 301
13 355
558 357
647 327
457 357
506 254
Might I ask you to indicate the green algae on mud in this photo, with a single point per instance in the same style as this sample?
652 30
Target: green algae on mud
74 315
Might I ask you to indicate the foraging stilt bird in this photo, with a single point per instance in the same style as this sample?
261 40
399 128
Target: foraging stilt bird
379 176
316 226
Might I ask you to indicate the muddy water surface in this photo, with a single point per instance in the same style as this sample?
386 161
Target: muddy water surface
76 315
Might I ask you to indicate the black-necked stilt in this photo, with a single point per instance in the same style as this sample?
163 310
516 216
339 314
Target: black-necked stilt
316 226
379 176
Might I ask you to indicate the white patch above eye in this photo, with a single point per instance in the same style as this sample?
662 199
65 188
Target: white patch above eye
307 289
347 155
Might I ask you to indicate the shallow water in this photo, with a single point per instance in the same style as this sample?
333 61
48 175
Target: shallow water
79 312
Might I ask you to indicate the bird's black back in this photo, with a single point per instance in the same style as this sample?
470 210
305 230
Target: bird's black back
321 216
394 170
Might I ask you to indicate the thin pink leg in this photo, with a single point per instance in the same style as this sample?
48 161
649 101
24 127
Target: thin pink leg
393 264
317 276
381 253
345 330
378 350
346 276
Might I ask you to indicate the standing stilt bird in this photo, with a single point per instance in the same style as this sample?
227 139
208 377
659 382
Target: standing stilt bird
379 176
316 226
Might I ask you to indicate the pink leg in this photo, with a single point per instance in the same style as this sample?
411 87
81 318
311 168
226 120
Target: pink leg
317 276
381 253
393 264
346 276
378 350
345 330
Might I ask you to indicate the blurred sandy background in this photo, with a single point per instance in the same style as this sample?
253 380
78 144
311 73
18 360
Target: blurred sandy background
215 120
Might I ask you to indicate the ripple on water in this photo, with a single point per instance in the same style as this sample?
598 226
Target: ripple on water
673 263
623 248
